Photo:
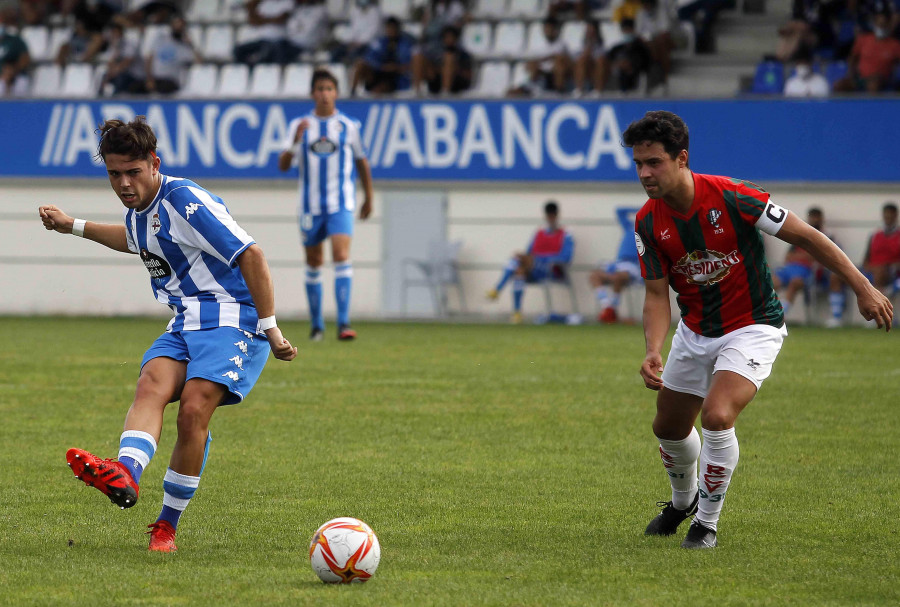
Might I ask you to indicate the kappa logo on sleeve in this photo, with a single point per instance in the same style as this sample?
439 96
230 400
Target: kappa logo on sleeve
191 209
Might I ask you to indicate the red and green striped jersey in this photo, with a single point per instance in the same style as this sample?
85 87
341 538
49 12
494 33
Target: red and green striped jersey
714 255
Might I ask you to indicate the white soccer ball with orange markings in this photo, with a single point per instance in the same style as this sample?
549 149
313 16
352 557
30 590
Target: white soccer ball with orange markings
344 550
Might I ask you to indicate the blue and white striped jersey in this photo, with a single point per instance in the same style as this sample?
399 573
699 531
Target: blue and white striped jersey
327 156
190 243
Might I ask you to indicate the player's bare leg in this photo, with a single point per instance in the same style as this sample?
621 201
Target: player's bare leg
343 280
314 260
728 395
199 401
159 383
679 448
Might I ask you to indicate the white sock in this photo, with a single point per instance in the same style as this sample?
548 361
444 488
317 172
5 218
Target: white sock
602 295
680 459
718 459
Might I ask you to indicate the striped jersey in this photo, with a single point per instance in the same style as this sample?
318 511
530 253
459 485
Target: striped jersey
326 156
714 255
189 243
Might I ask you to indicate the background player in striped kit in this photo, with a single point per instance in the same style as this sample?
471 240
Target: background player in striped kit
215 278
700 234
326 145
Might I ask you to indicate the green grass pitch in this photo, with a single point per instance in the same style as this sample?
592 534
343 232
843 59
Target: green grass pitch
498 465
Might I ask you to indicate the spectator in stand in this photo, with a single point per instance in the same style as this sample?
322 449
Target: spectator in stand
811 26
448 73
365 26
628 59
872 61
269 43
550 71
307 29
14 57
385 68
882 259
590 63
35 12
629 9
654 24
703 14
437 15
83 45
171 53
805 82
125 68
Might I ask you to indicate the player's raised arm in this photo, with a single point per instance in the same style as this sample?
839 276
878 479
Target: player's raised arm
873 305
256 274
110 235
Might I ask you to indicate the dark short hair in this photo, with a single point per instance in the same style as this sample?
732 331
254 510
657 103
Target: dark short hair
392 21
815 211
551 208
889 206
135 139
550 20
322 74
659 127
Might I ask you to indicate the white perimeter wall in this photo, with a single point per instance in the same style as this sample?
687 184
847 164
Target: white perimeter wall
48 273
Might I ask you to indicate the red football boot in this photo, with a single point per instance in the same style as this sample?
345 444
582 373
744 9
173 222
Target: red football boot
345 333
109 476
608 316
162 537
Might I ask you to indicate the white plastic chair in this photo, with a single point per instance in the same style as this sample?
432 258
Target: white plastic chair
58 37
37 39
490 9
201 80
234 79
339 70
265 81
572 34
151 33
296 81
526 9
492 79
336 9
78 80
205 11
436 273
536 44
477 38
509 39
46 80
219 43
396 8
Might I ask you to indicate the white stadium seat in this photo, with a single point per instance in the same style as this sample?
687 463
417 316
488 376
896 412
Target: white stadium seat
151 33
219 43
477 38
490 9
234 80
509 39
296 81
201 80
396 8
336 9
46 81
78 80
520 75
265 81
58 37
37 39
612 34
535 43
340 73
492 79
573 36
527 9
205 11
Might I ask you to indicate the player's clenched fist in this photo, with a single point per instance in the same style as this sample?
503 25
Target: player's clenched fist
55 219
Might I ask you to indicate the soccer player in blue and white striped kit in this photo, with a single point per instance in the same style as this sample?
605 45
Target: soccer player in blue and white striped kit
327 147
216 280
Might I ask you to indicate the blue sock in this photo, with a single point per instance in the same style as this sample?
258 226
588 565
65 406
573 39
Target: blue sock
136 449
836 302
314 297
518 291
179 489
508 271
343 281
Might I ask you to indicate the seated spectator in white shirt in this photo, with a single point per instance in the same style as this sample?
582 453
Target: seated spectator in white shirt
269 43
550 70
365 26
805 82
307 28
171 53
125 68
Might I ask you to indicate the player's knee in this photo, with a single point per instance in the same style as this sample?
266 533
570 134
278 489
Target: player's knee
716 418
152 387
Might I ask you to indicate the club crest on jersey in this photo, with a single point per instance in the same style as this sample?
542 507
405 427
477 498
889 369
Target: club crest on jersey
323 147
155 224
713 217
706 267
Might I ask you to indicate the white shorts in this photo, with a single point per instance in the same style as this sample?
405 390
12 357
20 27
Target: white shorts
749 352
632 267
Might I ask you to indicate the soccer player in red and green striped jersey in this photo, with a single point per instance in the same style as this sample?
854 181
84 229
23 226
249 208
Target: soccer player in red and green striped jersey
700 234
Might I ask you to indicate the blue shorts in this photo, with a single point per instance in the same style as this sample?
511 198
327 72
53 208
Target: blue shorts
232 357
316 228
794 270
625 265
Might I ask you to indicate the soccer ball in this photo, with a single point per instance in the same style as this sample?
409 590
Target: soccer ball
344 550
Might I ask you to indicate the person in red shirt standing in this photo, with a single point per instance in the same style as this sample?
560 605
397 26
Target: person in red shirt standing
700 234
872 59
882 258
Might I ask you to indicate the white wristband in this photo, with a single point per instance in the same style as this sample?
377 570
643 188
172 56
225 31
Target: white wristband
78 228
267 323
